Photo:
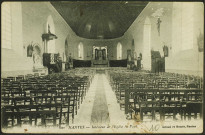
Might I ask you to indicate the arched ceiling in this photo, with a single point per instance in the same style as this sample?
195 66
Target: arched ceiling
99 19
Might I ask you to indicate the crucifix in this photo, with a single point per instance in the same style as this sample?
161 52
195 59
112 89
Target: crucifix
158 25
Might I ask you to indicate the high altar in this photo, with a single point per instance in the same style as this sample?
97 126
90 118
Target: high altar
99 58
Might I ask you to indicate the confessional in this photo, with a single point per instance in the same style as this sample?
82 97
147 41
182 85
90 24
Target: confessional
158 62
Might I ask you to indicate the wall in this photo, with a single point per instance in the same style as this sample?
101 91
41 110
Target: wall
156 41
188 61
29 21
28 24
89 43
181 61
12 59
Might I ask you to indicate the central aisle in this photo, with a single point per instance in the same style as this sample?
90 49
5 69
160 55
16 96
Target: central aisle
100 108
100 114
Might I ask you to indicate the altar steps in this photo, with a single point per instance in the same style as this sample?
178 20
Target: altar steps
100 66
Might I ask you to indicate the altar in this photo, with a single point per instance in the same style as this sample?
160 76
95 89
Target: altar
99 58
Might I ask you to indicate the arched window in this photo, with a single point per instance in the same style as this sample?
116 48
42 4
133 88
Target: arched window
119 51
6 25
80 51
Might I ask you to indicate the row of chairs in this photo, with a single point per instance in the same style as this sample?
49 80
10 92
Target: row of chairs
44 100
150 80
142 93
163 101
40 114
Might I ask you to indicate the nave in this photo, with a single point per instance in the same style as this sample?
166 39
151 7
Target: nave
98 108
102 67
100 100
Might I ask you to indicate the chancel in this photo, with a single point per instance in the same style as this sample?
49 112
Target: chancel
102 66
99 56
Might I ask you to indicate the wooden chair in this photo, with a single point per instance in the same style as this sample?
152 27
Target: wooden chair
149 108
193 107
122 88
11 78
66 109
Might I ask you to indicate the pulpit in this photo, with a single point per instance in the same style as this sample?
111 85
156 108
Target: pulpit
53 62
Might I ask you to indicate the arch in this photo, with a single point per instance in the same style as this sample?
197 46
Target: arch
147 44
119 51
50 27
80 50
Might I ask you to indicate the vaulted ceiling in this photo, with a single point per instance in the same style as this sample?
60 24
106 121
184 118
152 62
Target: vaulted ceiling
99 19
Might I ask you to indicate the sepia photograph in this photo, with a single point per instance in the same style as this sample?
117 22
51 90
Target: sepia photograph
102 67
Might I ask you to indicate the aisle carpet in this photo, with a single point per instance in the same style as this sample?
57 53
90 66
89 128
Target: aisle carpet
100 113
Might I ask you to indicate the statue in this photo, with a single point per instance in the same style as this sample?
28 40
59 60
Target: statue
70 61
158 25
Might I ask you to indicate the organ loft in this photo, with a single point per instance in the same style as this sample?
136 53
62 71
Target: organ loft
101 67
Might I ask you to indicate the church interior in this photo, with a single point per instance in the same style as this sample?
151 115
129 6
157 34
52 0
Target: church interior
68 64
